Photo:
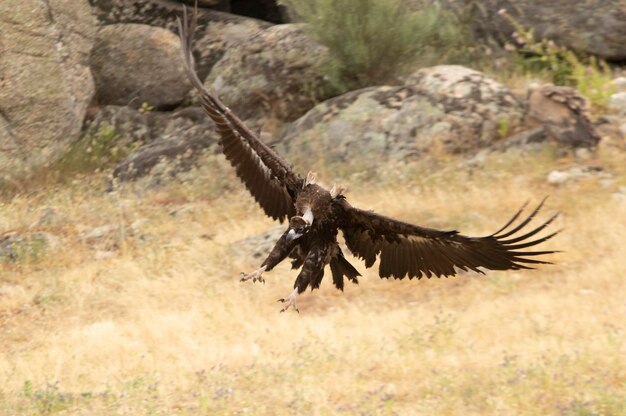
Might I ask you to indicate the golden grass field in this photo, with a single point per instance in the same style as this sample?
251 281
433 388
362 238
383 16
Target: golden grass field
152 318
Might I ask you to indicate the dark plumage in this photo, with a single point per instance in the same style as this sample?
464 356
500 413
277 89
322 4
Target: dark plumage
316 215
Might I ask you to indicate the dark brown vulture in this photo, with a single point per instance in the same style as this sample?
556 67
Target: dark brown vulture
316 215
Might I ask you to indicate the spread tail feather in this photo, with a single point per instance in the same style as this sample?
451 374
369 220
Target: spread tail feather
340 267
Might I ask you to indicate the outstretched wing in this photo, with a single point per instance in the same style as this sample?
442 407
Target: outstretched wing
406 249
270 180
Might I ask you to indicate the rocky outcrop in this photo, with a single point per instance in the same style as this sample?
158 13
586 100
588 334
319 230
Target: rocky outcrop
175 138
274 74
215 33
257 247
564 114
449 109
45 83
160 13
591 26
484 103
135 64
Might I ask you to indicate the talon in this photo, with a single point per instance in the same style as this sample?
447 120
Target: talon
291 301
255 275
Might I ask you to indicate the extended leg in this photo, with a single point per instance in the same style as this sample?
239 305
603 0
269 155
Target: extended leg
281 250
311 274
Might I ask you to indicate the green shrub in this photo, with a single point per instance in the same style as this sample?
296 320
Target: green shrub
100 147
372 42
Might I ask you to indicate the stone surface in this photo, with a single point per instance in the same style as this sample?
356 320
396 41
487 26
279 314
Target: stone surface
255 248
619 83
564 113
276 73
29 246
471 94
437 111
160 13
557 177
618 102
45 82
591 26
178 136
133 64
215 33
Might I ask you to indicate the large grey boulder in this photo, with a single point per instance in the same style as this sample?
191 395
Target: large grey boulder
276 73
45 82
133 64
485 104
592 26
441 109
215 33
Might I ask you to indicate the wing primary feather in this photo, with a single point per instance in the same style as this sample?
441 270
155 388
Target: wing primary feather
530 243
531 233
523 223
270 180
515 217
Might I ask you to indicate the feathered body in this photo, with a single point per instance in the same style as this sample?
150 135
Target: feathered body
316 216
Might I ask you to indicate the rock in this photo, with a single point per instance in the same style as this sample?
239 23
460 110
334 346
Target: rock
104 254
468 93
557 177
258 246
157 137
27 246
523 139
206 3
619 83
220 33
276 73
135 64
160 13
215 33
431 114
174 154
564 113
618 102
45 82
98 232
174 141
132 127
568 23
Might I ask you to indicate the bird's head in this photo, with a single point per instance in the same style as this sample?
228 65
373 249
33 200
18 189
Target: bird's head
298 227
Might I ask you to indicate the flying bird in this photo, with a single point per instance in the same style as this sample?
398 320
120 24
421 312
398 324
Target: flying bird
315 215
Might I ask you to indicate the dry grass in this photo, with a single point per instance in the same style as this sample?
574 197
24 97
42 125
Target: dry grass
164 327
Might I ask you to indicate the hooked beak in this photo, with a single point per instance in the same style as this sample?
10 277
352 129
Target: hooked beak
292 235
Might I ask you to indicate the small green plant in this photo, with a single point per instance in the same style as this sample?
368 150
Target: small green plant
146 108
98 148
504 127
375 41
591 76
47 401
594 81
